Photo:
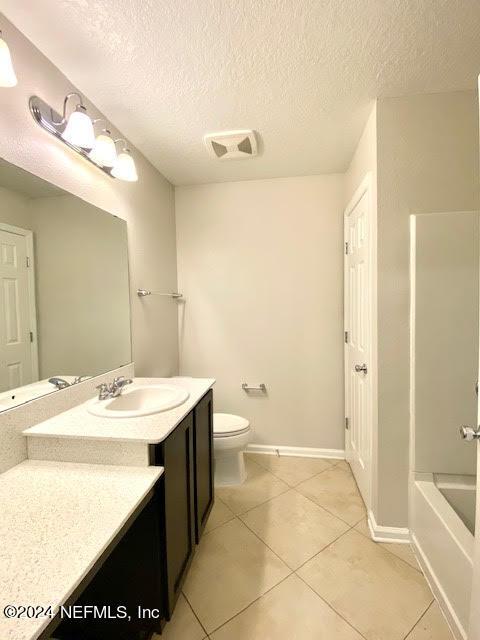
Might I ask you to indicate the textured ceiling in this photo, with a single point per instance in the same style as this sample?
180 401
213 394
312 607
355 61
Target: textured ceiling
300 72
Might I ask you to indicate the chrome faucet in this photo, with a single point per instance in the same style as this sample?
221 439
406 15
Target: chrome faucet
59 383
114 389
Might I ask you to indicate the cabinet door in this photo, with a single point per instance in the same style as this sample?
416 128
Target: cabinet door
129 578
176 456
203 448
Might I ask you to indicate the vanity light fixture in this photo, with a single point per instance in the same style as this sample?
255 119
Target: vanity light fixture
77 132
79 128
125 168
7 72
104 152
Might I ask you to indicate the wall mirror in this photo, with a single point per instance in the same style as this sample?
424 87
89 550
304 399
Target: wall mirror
64 298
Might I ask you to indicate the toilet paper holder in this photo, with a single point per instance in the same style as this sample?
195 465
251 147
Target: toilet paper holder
261 387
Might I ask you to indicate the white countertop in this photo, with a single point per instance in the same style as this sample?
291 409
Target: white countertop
152 429
56 521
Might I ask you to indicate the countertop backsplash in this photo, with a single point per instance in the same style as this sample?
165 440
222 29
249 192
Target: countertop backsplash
13 447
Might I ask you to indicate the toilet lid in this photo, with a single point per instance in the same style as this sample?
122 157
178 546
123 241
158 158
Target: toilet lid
226 424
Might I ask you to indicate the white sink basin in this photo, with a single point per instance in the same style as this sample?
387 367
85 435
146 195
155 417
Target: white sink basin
139 400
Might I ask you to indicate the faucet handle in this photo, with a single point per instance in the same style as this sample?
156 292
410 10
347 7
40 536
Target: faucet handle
121 381
103 390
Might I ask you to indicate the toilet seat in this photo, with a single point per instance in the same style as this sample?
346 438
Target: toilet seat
227 424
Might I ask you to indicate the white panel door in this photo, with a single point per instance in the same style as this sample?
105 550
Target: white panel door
15 347
358 336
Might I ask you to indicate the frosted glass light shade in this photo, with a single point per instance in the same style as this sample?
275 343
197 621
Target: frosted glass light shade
79 130
104 152
125 168
7 73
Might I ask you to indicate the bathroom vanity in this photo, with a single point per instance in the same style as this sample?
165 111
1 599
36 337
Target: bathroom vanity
141 561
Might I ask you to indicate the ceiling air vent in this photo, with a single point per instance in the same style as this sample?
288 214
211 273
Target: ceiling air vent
231 145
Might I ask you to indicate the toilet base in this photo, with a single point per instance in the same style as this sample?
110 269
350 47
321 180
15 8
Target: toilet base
229 469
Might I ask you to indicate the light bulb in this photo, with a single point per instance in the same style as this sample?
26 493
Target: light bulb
124 168
7 73
104 152
79 129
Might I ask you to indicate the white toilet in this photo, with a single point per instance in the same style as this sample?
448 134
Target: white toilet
230 438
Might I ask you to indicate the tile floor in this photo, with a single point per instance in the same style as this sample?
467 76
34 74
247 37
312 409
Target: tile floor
288 556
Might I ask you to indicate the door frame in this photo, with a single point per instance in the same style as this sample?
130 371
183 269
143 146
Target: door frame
366 187
32 306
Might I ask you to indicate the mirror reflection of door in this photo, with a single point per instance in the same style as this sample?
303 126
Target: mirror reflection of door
18 362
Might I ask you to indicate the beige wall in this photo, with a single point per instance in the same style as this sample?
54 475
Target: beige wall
445 275
14 209
147 206
427 162
261 266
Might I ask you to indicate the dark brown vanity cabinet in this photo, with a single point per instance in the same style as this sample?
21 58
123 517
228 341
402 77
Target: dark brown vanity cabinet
187 457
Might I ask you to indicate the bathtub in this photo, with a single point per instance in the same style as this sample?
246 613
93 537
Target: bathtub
442 526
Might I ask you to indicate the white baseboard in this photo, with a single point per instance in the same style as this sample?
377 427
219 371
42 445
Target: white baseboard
301 452
380 533
437 590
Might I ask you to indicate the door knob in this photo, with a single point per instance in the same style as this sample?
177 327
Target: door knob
361 368
469 433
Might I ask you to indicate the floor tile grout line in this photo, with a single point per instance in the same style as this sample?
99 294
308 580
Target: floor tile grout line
219 525
352 528
420 618
242 513
263 541
195 613
327 510
261 504
325 547
381 544
314 555
288 489
253 602
330 606
291 572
